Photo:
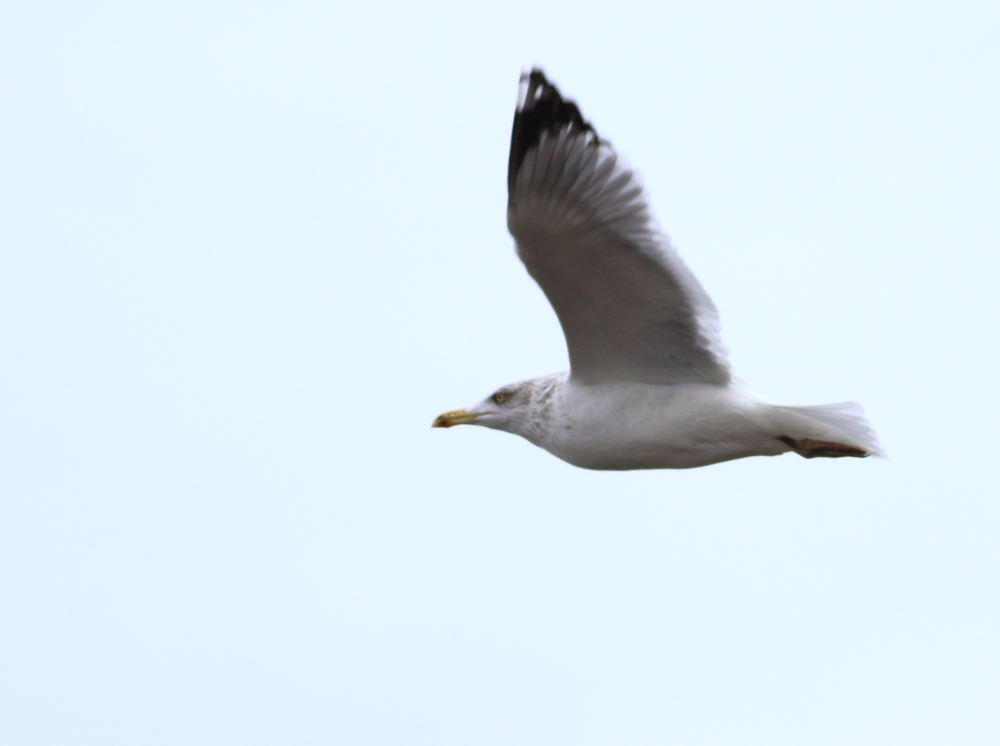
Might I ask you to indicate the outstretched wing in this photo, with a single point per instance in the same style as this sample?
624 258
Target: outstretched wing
630 309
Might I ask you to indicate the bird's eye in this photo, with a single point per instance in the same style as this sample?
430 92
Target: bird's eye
499 397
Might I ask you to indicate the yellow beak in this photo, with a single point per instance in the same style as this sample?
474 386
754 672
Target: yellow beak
455 417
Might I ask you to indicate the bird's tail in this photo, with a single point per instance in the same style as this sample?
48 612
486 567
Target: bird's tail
830 430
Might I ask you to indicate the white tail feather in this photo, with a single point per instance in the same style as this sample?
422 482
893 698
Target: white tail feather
847 419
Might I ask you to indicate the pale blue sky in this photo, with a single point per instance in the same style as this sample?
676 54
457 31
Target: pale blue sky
249 250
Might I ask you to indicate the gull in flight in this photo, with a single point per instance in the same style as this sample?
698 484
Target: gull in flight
649 386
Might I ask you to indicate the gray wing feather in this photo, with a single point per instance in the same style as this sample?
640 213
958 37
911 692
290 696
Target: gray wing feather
629 307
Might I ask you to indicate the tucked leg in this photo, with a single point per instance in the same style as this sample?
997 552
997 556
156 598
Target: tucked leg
809 448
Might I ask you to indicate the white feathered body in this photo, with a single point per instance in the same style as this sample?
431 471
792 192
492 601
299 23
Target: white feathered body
621 426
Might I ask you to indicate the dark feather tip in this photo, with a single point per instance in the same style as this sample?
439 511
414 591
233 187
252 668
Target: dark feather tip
540 108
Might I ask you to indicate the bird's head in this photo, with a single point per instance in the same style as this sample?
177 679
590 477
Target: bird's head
516 408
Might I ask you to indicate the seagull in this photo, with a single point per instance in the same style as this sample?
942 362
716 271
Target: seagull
649 385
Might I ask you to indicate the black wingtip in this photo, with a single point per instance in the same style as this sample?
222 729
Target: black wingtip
540 108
